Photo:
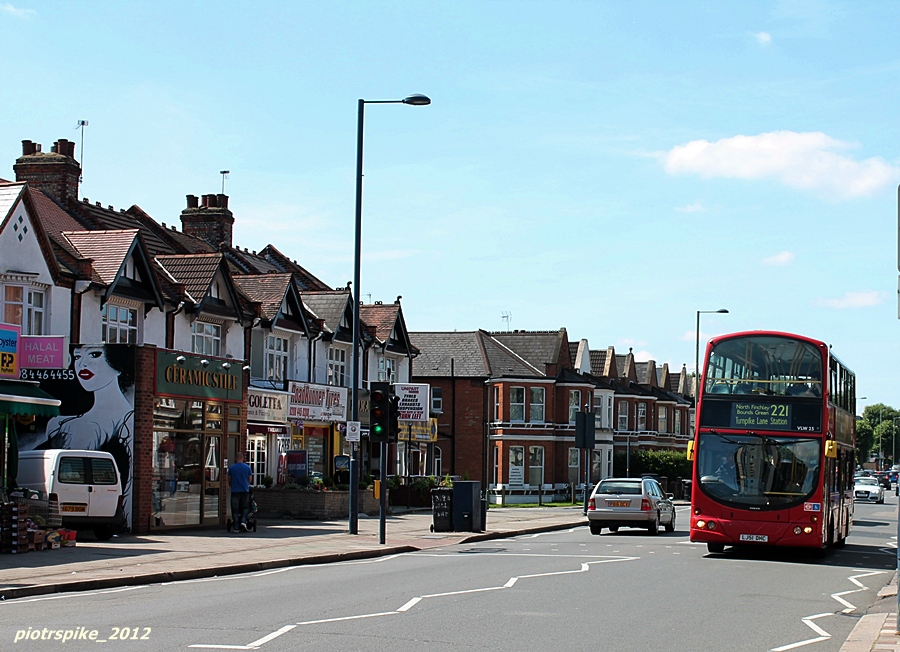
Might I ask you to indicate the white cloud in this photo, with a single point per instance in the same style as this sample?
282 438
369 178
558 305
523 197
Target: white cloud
763 38
644 356
15 11
781 259
696 207
802 160
864 299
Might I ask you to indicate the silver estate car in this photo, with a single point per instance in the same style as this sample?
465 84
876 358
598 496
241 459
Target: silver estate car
630 502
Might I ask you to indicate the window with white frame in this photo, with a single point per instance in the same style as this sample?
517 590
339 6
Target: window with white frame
598 412
337 366
609 462
574 470
387 370
517 404
677 422
496 403
438 468
662 418
437 400
276 355
496 463
574 404
256 459
623 416
206 338
536 398
118 324
609 409
535 465
692 423
23 307
642 416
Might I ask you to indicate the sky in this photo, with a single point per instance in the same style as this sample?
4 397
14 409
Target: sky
607 167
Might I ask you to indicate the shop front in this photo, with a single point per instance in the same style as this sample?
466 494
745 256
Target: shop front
316 414
268 434
197 428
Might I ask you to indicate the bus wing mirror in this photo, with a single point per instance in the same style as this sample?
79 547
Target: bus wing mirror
831 449
690 450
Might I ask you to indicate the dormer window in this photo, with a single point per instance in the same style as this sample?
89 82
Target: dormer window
206 338
131 271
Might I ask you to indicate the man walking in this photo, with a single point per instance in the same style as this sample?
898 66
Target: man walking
239 472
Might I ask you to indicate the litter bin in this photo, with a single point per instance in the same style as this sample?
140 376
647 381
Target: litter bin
467 508
442 509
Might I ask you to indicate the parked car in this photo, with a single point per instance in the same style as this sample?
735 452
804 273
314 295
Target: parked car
868 490
630 502
86 484
883 479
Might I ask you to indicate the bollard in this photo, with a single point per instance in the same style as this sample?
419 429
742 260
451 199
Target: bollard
540 495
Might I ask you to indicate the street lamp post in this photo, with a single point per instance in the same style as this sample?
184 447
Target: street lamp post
414 100
697 359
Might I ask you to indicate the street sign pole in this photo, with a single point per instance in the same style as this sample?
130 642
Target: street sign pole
382 499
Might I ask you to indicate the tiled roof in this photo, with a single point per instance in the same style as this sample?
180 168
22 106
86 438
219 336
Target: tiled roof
329 306
573 351
538 348
642 369
56 221
268 289
620 364
195 271
9 195
111 219
598 363
381 316
178 241
436 350
107 250
305 280
503 361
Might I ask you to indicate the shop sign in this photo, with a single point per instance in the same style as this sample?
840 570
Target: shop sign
309 402
418 431
263 405
44 352
10 336
413 402
295 464
190 377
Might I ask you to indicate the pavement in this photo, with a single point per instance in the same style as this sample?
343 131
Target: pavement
131 560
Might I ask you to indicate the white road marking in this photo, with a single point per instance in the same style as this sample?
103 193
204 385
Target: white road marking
584 568
822 634
69 596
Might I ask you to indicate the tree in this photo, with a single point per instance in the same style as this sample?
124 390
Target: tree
865 437
875 432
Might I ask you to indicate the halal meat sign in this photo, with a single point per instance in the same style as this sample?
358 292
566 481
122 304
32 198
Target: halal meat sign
413 402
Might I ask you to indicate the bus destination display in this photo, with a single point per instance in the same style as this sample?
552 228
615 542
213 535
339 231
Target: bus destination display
765 416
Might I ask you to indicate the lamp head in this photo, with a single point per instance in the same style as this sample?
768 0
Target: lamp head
722 310
417 99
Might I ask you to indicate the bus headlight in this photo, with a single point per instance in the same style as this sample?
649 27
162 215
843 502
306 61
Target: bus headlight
797 530
710 525
807 530
701 524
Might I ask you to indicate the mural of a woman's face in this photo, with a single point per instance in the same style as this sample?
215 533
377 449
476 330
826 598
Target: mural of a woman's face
92 368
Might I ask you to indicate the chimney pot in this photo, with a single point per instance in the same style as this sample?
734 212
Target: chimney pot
212 201
222 201
163 225
53 148
192 201
37 148
27 147
99 204
205 203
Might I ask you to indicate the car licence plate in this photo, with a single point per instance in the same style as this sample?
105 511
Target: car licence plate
73 508
618 503
862 494
758 538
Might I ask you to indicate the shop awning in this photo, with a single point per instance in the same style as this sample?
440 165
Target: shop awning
19 397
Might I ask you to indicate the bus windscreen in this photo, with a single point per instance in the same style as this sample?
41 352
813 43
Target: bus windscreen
764 365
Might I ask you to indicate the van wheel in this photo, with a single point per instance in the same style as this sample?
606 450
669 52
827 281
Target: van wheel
104 532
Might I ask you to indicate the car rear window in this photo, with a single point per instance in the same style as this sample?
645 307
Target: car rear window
619 488
103 471
71 470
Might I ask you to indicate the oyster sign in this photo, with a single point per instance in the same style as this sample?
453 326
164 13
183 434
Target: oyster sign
310 402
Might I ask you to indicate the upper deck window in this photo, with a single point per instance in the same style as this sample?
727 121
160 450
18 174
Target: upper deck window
764 365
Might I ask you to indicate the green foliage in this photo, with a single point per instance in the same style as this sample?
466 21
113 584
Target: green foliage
393 482
268 481
669 464
303 480
446 481
328 481
865 438
423 486
290 486
342 487
876 431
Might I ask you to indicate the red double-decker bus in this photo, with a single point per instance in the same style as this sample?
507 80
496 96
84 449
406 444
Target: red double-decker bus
774 450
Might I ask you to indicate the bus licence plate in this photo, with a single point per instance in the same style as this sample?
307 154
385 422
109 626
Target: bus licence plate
73 508
758 538
618 503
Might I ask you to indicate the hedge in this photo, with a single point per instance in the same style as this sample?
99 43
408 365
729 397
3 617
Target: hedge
669 464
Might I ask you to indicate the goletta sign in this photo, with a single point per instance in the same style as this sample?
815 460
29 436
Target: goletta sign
268 406
221 379
309 402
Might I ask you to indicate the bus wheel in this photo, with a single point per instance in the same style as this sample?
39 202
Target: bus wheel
715 547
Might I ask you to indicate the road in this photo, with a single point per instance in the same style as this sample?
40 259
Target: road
624 591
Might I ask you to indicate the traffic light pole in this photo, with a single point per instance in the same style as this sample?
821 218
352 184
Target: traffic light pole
382 498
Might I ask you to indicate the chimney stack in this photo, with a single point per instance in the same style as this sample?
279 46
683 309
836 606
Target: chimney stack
210 221
56 173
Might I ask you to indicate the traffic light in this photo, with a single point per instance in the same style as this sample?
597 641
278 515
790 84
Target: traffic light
380 412
394 419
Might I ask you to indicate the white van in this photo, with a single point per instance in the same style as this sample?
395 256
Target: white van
86 484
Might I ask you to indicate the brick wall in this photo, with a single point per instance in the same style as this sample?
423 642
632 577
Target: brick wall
318 505
144 396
